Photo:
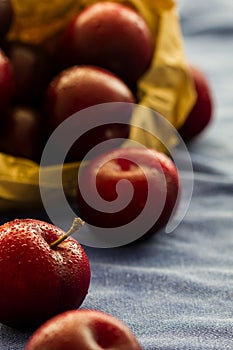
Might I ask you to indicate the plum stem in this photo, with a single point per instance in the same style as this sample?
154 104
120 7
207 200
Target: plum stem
76 225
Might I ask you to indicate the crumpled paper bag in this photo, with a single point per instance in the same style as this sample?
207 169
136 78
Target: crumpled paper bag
165 87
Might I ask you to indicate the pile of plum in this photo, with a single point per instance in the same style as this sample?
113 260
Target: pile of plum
99 58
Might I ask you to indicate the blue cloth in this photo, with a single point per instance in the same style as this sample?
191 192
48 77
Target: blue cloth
175 291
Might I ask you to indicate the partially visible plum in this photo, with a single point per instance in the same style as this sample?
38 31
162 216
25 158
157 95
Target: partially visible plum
202 112
32 70
22 134
110 35
6 82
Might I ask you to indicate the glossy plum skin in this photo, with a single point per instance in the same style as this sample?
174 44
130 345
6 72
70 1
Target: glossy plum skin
80 87
37 282
6 82
202 112
110 35
83 330
146 166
